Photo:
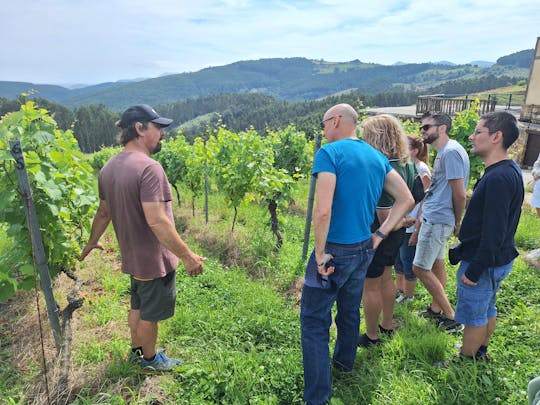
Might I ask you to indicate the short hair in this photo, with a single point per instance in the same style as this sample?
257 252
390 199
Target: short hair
130 133
504 122
385 133
440 118
415 142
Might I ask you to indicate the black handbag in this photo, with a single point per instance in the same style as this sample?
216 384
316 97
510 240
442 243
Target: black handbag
454 254
417 190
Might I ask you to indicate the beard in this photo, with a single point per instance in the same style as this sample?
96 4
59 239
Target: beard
431 138
157 148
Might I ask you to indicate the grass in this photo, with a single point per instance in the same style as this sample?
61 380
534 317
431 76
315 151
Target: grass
237 328
503 95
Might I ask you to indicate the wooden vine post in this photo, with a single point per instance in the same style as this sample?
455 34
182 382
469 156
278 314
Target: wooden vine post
37 243
311 198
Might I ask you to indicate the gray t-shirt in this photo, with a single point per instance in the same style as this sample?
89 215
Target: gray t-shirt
125 182
452 162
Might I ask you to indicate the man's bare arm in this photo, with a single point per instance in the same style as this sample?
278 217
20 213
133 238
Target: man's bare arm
163 228
324 195
459 198
99 225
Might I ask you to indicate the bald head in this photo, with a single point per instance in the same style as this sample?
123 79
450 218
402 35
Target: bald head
341 122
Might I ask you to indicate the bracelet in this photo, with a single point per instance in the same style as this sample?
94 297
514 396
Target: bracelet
380 234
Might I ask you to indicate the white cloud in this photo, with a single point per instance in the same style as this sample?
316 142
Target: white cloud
89 41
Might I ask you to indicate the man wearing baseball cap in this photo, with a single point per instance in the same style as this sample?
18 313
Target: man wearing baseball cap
135 195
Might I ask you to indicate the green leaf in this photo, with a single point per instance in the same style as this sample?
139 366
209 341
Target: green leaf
26 269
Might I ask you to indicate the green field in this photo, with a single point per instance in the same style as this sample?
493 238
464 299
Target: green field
502 95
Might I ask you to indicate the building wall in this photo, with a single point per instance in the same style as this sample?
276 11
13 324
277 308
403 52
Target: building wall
533 88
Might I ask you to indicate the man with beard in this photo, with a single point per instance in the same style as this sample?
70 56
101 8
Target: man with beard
135 194
442 210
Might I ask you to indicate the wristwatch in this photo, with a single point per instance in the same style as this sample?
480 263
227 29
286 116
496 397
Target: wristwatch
380 234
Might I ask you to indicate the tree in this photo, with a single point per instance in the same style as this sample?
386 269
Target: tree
94 127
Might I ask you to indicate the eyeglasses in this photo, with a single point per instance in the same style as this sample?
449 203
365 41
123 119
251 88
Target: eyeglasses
478 132
428 126
323 122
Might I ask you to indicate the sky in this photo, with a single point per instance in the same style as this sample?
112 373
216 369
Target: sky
94 41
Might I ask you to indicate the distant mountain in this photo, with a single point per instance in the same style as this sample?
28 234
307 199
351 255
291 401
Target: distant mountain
481 63
445 62
289 79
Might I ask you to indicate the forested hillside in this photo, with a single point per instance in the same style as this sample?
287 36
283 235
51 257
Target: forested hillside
93 125
288 79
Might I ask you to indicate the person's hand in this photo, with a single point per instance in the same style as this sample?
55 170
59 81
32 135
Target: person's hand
88 248
536 177
466 281
194 264
456 230
413 240
376 240
408 221
322 261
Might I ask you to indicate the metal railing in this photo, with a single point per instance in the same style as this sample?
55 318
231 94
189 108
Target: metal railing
442 103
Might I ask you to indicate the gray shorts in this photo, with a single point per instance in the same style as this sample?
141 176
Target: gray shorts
431 244
156 298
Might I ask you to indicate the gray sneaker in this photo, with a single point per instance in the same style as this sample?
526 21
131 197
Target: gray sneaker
160 363
403 299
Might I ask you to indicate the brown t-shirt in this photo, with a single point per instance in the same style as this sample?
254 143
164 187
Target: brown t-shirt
125 182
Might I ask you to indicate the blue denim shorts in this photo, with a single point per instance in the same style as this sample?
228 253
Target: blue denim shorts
404 260
475 304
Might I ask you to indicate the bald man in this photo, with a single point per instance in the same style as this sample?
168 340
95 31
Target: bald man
351 176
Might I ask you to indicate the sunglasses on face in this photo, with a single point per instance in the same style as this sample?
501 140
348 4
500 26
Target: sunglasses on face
428 126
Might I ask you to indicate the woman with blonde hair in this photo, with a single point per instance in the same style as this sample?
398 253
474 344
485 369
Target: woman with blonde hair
385 133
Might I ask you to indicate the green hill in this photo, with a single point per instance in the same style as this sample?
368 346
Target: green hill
289 79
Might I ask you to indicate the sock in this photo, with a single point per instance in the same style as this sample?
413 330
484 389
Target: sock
150 359
137 350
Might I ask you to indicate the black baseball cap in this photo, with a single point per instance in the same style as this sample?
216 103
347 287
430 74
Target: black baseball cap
141 113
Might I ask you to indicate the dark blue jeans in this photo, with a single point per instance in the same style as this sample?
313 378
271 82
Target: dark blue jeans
344 287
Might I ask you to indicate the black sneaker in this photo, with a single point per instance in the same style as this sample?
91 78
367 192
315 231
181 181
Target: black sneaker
431 314
365 341
449 325
482 356
387 332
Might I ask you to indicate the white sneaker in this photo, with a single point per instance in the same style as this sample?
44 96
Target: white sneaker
403 299
534 255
